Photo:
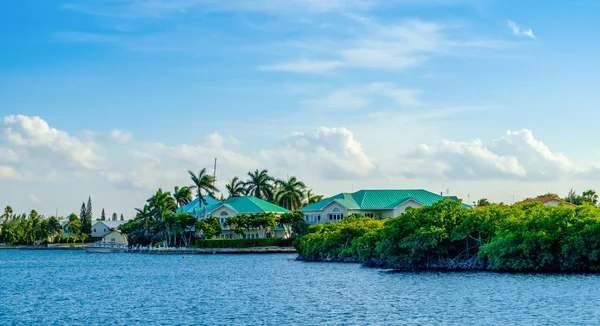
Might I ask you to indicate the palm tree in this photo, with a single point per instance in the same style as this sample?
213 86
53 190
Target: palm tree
260 185
236 187
590 196
8 211
312 198
143 215
73 225
482 202
161 204
290 193
183 195
203 182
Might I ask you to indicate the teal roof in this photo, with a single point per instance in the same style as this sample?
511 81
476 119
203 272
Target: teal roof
193 206
378 199
245 205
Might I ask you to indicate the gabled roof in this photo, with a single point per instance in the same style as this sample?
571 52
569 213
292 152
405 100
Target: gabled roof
245 205
195 204
111 224
545 200
378 199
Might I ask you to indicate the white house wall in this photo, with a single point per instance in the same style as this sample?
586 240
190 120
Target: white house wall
402 208
99 229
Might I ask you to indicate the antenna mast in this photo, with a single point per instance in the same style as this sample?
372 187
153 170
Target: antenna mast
215 172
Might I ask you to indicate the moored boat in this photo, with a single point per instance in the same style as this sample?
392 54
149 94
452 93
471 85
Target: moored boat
104 247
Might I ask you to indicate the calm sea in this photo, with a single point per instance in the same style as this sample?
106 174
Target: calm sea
78 288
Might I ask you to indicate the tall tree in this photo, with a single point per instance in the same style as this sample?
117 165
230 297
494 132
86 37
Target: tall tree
122 217
204 183
260 184
590 196
311 198
73 225
8 212
103 216
291 193
482 202
161 204
114 217
86 223
236 187
183 195
82 214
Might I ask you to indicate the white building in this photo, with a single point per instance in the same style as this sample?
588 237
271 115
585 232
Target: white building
115 237
101 228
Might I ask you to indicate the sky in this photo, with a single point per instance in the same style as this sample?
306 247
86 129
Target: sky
115 98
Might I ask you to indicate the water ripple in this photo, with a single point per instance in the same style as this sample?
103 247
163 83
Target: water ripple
76 288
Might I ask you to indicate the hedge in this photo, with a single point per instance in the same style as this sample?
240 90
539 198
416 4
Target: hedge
243 243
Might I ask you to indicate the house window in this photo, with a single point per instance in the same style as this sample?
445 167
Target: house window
369 215
94 230
104 230
112 239
224 214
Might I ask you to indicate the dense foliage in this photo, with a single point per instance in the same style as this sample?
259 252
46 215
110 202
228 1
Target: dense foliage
243 243
527 237
158 220
28 229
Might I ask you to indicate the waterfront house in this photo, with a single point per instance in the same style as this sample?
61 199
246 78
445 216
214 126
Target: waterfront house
101 228
195 205
371 203
546 201
115 237
244 205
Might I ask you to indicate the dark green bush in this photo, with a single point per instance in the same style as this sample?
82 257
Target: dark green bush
243 243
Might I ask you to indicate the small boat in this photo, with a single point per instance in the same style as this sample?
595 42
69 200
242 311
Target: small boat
104 247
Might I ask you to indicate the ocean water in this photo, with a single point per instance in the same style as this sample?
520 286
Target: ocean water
78 288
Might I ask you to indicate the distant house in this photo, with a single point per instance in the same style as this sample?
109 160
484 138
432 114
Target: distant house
115 237
370 203
101 228
244 205
549 201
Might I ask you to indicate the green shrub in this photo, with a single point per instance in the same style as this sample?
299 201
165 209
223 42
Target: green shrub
243 243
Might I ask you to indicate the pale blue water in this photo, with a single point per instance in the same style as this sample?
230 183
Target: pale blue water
78 288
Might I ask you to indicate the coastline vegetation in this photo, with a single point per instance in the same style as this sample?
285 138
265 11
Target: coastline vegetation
527 237
159 221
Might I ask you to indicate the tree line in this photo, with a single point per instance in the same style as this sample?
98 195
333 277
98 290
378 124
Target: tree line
34 228
158 220
526 237
587 197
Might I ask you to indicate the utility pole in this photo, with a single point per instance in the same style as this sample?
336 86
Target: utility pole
215 173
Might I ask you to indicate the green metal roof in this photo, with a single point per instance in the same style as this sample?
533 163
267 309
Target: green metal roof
246 205
195 206
378 199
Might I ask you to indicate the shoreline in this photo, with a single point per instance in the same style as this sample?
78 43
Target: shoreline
391 268
192 251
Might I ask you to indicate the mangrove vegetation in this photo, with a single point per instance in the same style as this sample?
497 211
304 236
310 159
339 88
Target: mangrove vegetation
526 237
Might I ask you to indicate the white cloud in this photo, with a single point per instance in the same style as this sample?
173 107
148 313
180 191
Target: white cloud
304 66
374 45
8 155
367 95
35 133
516 155
516 29
9 173
34 199
121 135
333 153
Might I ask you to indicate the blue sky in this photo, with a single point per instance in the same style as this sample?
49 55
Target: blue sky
342 94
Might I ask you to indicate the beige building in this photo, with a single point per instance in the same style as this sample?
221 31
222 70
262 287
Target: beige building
115 237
